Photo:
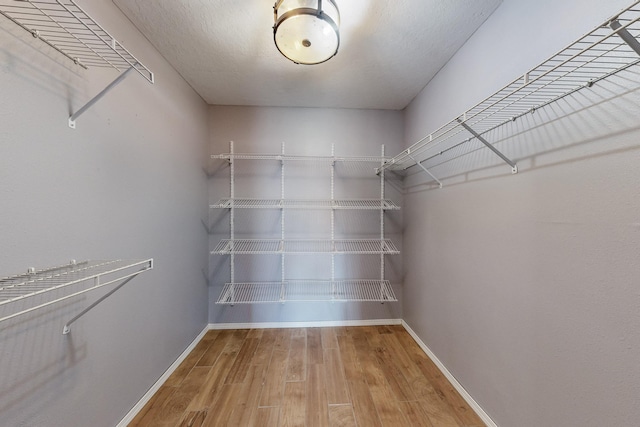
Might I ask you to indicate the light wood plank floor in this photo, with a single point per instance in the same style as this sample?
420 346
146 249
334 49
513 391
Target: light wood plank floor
349 376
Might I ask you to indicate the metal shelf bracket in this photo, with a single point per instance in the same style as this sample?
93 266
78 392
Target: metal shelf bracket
514 167
68 29
85 107
625 35
424 169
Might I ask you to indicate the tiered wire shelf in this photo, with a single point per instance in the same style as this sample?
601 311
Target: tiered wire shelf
362 204
603 52
275 246
304 290
68 29
307 291
36 289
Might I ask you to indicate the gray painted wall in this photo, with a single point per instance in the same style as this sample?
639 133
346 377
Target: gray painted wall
526 286
127 183
309 132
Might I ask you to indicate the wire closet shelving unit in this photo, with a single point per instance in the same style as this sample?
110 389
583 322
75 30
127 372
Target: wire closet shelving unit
601 53
335 290
67 28
23 293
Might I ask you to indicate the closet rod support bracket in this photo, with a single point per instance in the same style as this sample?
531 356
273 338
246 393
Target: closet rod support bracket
514 167
85 107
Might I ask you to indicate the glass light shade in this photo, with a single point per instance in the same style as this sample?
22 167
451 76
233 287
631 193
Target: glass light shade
306 31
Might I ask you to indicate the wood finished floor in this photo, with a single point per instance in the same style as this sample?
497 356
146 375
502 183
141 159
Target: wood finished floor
348 376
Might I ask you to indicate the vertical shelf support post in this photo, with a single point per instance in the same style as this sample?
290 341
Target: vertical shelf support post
514 167
333 219
382 227
282 215
232 195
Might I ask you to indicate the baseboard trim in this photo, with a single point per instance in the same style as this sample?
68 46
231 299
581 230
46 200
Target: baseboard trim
156 386
319 324
454 382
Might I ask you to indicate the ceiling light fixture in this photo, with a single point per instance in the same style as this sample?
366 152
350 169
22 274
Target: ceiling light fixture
306 31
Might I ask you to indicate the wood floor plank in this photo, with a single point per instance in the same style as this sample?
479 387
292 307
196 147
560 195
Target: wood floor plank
337 388
400 386
381 392
415 414
248 399
237 339
255 333
215 349
317 409
220 412
209 391
439 413
172 411
273 386
341 416
352 369
364 409
328 338
176 378
297 359
315 354
146 415
193 419
293 405
263 353
240 367
266 417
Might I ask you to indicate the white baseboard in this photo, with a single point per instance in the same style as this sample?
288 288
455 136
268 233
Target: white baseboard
454 382
320 324
156 386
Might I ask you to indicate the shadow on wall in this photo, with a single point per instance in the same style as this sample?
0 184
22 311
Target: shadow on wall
38 363
576 128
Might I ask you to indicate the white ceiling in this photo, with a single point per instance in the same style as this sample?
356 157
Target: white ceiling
389 50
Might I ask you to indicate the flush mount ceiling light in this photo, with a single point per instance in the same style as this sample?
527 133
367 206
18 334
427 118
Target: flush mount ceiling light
306 31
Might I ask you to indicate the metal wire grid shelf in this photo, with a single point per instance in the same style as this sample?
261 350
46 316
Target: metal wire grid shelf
36 289
68 29
293 157
275 246
307 291
601 53
362 204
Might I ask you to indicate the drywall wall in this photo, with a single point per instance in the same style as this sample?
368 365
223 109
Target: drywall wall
526 286
127 183
306 131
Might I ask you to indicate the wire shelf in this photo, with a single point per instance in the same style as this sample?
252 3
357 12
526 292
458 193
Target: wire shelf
362 204
52 285
307 291
601 53
274 246
64 26
290 157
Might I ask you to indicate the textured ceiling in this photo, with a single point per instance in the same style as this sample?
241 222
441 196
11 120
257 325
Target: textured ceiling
389 50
